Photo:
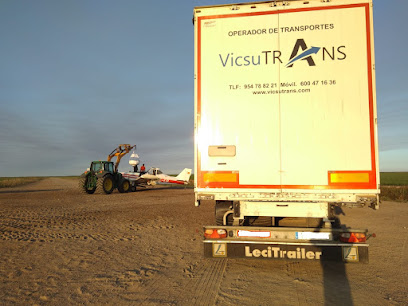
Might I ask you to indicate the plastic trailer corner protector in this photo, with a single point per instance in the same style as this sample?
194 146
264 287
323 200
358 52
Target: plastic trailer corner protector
292 90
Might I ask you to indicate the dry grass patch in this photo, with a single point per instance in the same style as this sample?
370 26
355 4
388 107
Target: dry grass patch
394 193
17 181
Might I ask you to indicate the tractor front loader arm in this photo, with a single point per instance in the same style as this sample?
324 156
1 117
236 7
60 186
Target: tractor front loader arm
119 152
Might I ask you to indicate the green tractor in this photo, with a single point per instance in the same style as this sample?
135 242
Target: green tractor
103 176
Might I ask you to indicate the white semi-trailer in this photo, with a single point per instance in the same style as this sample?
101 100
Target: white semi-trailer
285 126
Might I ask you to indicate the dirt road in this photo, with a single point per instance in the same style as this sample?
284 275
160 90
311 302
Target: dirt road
59 247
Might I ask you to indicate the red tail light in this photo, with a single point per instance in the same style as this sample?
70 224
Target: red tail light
353 237
215 233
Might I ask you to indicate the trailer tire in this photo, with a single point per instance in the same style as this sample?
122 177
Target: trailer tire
105 184
221 207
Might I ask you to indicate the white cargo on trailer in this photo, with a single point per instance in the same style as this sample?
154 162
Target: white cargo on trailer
285 107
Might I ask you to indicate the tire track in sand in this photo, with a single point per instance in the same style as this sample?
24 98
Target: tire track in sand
152 287
305 293
205 283
50 225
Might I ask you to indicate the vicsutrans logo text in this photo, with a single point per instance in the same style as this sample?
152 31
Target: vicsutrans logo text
300 52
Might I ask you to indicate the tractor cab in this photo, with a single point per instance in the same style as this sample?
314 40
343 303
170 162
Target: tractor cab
99 166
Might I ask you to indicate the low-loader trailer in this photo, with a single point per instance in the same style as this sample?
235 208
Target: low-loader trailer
285 127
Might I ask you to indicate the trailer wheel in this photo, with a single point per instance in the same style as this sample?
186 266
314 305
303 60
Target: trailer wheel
221 207
105 184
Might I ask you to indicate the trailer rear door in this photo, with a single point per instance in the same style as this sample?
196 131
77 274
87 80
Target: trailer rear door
284 97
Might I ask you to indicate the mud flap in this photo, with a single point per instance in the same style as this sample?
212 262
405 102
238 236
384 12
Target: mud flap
308 252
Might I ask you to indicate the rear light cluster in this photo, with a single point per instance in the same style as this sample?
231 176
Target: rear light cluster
215 233
353 237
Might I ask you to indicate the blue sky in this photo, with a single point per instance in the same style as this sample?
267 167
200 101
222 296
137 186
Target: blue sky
77 78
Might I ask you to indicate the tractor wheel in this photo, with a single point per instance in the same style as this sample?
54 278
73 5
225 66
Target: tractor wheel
124 186
221 207
83 185
105 184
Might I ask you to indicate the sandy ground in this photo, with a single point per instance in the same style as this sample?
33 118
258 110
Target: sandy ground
59 247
